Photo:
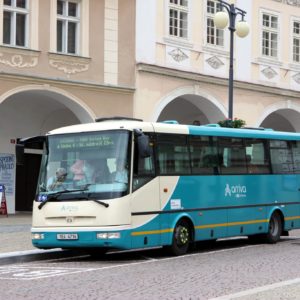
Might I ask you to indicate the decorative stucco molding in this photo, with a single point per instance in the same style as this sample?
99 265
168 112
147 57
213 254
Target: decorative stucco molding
215 62
296 78
68 64
289 2
178 55
18 60
269 72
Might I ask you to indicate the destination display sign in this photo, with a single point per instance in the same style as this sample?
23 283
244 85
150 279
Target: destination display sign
82 141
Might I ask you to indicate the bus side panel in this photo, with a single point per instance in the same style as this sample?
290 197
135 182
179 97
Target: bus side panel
291 185
145 207
190 195
284 189
211 225
291 216
247 221
246 197
264 193
169 217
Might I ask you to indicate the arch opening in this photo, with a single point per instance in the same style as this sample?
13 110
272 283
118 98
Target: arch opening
31 111
282 120
192 109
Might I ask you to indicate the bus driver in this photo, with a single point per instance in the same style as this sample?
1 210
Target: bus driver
56 182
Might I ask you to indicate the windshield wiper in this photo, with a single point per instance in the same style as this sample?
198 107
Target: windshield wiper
101 202
57 194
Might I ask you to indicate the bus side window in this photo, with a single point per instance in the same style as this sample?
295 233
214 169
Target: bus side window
143 169
204 157
296 156
234 155
281 157
256 156
173 154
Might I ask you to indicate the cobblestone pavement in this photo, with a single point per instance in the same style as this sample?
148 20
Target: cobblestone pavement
15 233
289 292
232 270
245 272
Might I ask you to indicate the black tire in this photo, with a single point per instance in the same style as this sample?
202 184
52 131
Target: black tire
182 237
274 229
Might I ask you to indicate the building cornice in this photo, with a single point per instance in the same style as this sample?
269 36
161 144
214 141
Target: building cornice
39 80
164 71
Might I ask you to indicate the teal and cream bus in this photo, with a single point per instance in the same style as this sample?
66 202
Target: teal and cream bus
182 184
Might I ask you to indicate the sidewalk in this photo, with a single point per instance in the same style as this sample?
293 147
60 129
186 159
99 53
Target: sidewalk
15 233
15 241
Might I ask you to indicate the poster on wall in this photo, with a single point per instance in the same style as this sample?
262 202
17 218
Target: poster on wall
7 173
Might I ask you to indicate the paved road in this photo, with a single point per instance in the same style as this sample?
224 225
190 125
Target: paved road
232 269
15 233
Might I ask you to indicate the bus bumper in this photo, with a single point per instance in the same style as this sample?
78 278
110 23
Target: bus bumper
81 239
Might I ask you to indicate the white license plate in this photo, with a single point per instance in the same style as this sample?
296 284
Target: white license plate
67 236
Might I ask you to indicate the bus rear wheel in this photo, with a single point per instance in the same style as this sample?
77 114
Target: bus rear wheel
182 237
274 229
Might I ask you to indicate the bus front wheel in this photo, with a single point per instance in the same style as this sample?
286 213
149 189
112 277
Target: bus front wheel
274 229
181 238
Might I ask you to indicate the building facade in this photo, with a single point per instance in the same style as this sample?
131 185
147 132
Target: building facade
65 62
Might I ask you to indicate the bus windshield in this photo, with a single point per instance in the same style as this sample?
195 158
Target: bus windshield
92 164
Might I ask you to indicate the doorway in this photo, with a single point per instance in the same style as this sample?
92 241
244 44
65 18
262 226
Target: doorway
26 181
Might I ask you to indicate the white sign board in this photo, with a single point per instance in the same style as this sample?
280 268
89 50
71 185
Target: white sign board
7 173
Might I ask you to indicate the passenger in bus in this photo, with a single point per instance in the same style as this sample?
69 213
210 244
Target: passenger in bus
121 174
90 170
57 182
102 173
77 170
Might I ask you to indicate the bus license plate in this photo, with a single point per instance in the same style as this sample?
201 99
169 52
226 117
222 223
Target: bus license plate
67 236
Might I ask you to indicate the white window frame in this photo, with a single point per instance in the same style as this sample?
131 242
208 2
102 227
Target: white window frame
180 9
83 41
65 19
14 10
216 32
293 37
270 31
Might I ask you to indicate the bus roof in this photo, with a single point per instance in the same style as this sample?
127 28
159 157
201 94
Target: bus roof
170 127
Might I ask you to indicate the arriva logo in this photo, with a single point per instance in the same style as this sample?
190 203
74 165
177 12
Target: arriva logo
69 208
237 191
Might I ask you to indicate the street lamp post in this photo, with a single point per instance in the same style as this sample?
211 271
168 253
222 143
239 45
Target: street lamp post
241 28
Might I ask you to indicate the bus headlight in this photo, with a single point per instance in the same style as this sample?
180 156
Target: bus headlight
37 236
114 235
102 236
108 235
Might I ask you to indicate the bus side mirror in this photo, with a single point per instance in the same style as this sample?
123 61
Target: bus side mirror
20 154
144 148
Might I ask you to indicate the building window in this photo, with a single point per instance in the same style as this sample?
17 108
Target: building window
178 22
68 22
296 41
15 22
214 36
269 35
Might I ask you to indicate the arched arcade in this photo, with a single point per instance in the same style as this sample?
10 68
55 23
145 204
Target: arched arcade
189 105
30 111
